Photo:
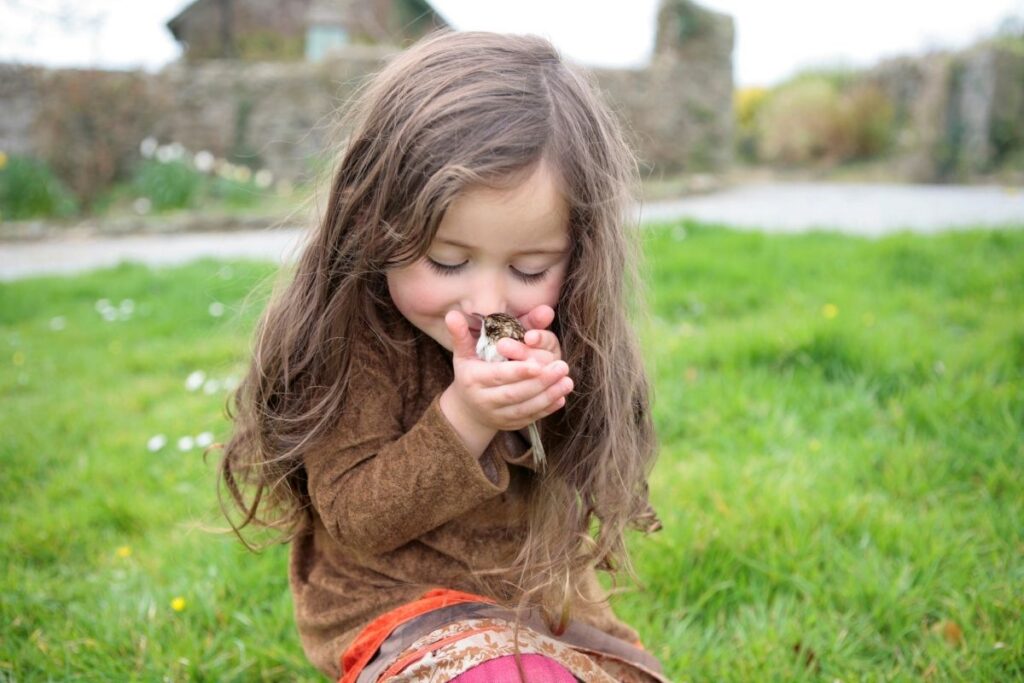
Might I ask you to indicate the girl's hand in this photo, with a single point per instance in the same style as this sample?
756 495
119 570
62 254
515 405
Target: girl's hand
498 396
541 344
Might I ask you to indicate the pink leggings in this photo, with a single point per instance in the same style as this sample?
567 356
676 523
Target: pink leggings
538 669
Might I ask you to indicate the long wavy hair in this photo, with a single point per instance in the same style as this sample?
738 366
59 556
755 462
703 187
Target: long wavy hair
461 110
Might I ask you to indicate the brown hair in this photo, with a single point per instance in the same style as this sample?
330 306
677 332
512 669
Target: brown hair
459 110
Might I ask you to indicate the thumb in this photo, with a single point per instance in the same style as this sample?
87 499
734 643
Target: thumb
463 345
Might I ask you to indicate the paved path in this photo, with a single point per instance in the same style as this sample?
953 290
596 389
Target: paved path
868 210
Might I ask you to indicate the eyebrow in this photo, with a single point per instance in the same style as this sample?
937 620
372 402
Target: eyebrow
525 252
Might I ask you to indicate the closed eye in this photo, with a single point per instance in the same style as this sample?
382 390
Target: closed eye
444 269
530 278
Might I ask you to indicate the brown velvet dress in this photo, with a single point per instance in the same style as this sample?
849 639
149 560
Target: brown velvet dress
400 506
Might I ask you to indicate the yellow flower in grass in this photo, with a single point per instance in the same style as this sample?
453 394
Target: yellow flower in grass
830 311
124 551
178 604
3 159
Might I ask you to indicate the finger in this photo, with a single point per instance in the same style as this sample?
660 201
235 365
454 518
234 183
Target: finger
539 357
554 379
543 339
539 318
553 408
463 345
510 372
541 404
512 349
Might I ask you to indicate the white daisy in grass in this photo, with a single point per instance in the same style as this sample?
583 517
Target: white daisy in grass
203 161
263 178
205 439
216 309
156 443
110 313
195 380
211 386
148 147
186 443
58 323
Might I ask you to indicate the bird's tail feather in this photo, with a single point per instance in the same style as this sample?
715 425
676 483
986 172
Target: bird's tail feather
539 457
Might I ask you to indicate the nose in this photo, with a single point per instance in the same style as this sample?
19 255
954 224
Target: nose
486 295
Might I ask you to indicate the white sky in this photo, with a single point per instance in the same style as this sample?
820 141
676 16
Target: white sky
774 38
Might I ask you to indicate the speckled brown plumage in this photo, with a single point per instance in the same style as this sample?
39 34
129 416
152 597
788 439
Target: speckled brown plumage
497 326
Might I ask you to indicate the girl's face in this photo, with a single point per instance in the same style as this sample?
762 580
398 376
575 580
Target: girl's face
495 251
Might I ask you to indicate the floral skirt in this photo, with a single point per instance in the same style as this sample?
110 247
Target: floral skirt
447 652
446 633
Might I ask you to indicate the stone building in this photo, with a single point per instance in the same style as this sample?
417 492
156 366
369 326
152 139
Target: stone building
280 30
277 113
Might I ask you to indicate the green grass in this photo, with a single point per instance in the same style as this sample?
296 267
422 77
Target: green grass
841 476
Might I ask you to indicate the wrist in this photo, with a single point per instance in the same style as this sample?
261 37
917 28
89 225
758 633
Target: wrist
474 434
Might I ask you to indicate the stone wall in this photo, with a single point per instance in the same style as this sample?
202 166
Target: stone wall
20 95
266 115
279 115
959 114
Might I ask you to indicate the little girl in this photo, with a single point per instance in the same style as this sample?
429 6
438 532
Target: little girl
482 174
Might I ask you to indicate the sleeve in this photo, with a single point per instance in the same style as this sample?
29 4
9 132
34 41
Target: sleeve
376 486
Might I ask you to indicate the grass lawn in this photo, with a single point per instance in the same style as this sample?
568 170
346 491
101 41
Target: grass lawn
841 475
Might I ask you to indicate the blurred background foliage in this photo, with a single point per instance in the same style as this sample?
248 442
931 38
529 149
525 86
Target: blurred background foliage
29 188
909 119
815 118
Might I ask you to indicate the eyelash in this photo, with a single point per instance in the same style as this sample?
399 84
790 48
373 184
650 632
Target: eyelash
528 278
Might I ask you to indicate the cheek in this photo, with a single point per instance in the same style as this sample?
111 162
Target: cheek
416 292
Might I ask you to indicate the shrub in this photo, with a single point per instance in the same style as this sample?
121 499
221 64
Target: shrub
171 177
28 188
747 104
819 119
871 118
236 193
170 185
802 122
89 125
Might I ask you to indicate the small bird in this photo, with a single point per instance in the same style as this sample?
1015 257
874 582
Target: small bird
498 326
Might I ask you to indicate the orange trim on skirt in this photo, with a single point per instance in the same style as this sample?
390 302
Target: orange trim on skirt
361 651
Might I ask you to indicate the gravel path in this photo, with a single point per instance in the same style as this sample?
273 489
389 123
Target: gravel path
867 210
